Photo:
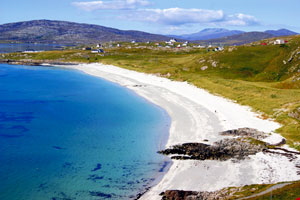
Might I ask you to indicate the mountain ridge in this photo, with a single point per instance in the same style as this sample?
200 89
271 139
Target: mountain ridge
53 31
210 33
64 32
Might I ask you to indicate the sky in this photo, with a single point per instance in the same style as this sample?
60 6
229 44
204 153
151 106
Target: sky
160 16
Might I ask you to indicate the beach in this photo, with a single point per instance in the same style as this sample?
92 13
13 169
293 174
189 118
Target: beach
198 116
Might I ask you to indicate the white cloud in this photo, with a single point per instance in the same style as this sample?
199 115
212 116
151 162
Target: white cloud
240 20
181 16
111 5
178 16
129 10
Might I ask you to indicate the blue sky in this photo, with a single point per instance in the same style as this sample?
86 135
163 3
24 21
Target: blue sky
160 16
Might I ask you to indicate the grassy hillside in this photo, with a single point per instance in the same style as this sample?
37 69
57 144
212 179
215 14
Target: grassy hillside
267 78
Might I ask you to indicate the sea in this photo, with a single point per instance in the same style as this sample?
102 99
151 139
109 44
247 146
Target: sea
66 135
20 47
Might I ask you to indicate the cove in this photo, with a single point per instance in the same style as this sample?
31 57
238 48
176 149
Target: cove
67 135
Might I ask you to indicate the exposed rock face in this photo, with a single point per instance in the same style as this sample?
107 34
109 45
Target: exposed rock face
221 150
191 195
295 114
246 132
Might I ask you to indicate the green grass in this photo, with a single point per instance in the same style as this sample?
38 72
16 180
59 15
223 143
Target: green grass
289 192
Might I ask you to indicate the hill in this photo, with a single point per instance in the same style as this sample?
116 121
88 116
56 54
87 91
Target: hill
281 32
232 37
239 39
47 31
209 33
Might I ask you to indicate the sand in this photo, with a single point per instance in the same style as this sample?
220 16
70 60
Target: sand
196 116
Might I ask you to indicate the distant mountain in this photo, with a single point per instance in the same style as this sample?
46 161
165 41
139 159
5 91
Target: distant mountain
239 39
46 31
209 33
225 35
281 32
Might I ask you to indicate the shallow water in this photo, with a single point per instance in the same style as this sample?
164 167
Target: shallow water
67 135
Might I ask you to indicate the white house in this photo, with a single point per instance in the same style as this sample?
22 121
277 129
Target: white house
185 43
133 41
173 40
219 49
201 47
279 41
97 51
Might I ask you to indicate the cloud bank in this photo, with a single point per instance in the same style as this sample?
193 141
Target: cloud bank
110 5
133 10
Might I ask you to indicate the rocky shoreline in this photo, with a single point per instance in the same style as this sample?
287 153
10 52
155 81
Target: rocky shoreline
246 142
34 62
240 144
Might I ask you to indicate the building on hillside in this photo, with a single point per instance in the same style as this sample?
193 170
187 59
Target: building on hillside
279 41
99 45
133 41
263 43
201 46
218 49
98 51
173 40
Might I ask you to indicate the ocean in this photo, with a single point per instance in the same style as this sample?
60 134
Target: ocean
65 135
20 47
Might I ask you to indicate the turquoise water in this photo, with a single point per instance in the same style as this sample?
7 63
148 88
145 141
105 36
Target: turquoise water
66 135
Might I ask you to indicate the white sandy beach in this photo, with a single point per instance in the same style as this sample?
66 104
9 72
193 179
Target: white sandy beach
196 116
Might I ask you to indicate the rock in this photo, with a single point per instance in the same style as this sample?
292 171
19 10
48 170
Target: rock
178 194
295 114
204 68
214 64
222 150
192 195
246 132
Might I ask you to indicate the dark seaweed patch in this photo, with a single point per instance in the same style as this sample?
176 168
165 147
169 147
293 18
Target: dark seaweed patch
100 194
164 166
95 177
12 131
98 167
26 117
58 147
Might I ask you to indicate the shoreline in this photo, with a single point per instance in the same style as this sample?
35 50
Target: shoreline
198 116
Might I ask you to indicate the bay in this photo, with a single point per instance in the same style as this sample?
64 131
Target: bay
68 135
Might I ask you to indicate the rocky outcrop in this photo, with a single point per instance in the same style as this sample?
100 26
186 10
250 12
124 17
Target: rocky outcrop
191 195
246 132
35 62
222 150
295 114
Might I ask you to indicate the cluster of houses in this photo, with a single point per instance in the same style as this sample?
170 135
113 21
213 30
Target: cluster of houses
172 43
98 49
276 42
